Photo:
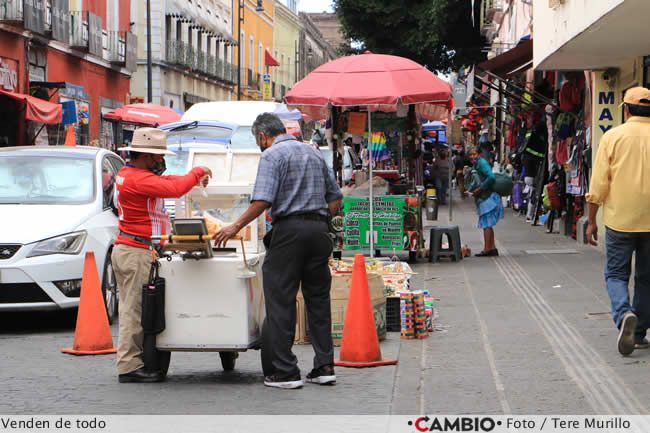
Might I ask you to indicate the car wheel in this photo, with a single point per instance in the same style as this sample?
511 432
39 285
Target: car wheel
110 291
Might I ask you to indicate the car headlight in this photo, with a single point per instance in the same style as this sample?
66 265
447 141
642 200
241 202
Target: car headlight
70 243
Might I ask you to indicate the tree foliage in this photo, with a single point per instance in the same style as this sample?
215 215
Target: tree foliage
437 33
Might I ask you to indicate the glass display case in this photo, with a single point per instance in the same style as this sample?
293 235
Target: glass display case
227 196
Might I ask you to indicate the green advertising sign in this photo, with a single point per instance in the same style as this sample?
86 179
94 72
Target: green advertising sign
388 222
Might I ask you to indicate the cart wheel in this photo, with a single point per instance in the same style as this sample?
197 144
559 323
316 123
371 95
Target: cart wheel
413 256
228 360
164 358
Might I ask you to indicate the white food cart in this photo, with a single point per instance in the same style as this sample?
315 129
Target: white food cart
216 303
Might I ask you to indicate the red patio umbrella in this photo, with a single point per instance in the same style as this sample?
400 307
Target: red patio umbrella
143 114
378 81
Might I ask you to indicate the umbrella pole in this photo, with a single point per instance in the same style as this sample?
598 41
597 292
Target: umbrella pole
451 170
371 201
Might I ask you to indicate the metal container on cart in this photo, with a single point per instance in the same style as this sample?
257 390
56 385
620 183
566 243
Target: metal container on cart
217 303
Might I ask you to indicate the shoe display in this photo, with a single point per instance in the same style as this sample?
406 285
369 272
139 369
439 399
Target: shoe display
141 376
323 375
293 381
626 334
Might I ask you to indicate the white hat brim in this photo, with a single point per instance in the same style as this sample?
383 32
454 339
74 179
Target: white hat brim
148 150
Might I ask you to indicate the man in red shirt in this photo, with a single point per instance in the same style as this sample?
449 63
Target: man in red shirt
141 191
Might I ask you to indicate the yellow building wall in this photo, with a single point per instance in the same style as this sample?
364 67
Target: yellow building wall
260 26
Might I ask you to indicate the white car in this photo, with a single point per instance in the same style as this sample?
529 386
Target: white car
56 204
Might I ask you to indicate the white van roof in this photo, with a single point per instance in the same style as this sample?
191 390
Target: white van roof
242 113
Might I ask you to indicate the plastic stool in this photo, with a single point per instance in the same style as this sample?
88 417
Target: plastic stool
435 243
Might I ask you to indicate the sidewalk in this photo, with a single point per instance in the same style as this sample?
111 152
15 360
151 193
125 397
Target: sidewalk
523 333
527 332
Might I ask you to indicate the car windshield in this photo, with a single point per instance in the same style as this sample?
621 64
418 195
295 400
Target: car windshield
37 179
243 138
202 133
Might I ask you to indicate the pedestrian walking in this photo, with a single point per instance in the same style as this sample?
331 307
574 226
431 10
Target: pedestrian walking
619 184
489 207
141 189
295 183
442 166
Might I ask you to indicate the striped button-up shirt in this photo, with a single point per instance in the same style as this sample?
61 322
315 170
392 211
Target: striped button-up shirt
295 179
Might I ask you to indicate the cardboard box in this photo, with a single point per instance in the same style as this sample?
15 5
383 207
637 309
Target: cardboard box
339 300
301 321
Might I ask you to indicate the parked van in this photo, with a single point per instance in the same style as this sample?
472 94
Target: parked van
242 114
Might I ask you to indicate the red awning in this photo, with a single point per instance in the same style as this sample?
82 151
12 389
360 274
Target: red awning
37 109
269 60
511 61
143 114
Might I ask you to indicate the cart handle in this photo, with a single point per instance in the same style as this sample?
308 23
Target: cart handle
172 238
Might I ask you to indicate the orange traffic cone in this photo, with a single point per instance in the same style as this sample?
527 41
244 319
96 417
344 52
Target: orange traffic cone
70 139
92 335
360 344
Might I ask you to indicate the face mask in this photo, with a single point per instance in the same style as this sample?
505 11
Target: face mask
159 167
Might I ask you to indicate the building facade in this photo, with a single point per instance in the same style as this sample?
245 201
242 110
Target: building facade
330 27
192 48
286 40
314 50
605 41
77 51
256 36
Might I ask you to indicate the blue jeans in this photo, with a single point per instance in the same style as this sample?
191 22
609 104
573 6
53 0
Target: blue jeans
619 249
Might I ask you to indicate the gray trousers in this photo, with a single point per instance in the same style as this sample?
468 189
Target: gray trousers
298 254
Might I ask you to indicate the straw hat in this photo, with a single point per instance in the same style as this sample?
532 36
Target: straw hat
149 140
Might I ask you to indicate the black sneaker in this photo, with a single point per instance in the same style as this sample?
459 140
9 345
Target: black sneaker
626 334
293 381
323 375
141 376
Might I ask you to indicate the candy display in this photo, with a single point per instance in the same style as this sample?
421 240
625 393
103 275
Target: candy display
407 314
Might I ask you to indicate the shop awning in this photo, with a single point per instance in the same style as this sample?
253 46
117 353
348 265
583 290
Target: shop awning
37 109
269 60
592 35
511 61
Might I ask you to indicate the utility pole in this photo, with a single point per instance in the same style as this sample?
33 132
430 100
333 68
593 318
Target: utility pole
149 64
240 19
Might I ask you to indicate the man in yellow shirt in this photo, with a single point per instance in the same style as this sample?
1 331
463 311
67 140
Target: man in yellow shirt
620 184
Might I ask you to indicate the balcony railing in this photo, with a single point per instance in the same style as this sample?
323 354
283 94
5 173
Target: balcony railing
175 52
117 48
189 56
229 72
201 62
11 10
79 29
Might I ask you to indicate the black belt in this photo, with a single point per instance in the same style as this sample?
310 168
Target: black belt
136 238
303 216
